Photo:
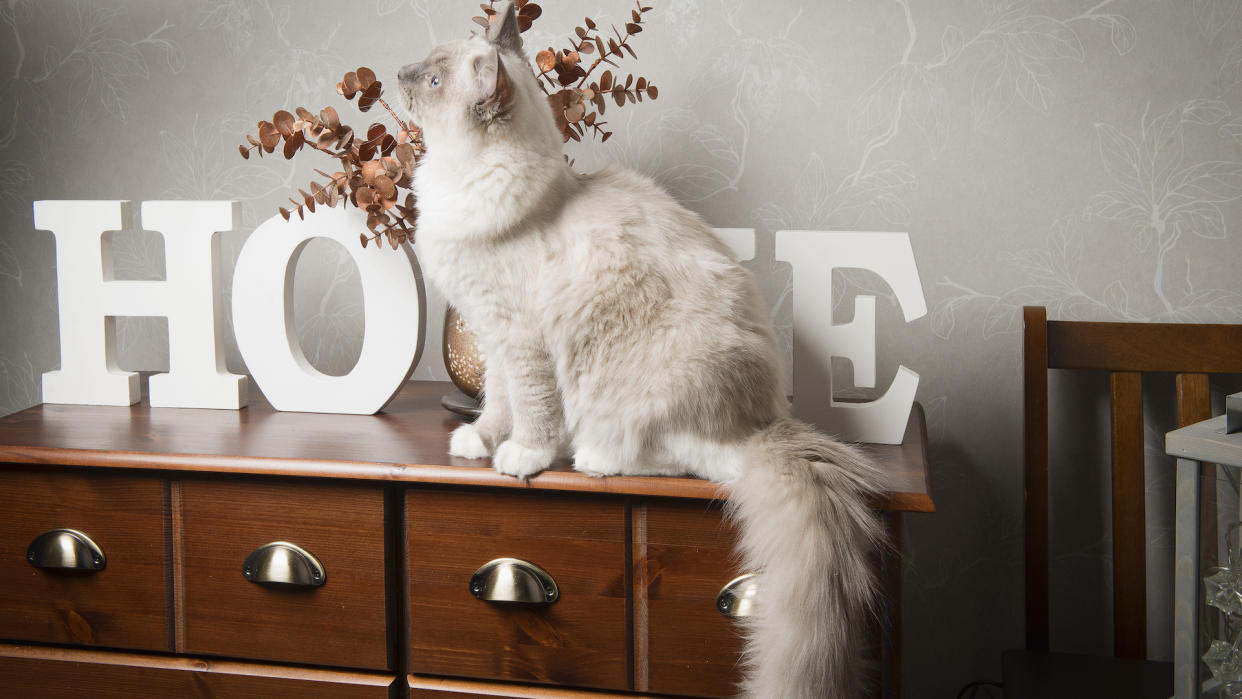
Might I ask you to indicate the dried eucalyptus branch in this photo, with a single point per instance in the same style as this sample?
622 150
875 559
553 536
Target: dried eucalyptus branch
376 168
577 103
373 168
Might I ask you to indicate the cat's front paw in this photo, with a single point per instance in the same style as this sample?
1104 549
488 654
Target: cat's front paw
468 443
513 459
594 462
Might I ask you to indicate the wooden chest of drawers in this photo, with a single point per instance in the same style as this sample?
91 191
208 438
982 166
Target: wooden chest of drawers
256 553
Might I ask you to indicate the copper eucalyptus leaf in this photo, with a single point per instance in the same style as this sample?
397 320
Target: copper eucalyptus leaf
284 122
545 60
386 190
293 144
268 136
576 111
330 118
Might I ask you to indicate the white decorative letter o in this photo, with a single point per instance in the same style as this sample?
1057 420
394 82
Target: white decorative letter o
393 316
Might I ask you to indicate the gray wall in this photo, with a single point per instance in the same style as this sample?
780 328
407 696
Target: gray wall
1081 155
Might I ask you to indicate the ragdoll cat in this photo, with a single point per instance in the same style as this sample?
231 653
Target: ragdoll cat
618 330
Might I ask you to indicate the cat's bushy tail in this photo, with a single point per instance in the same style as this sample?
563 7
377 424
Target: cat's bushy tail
803 506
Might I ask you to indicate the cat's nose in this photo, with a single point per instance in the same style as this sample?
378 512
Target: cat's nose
409 72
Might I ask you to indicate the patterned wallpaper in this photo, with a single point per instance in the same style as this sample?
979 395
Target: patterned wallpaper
1086 156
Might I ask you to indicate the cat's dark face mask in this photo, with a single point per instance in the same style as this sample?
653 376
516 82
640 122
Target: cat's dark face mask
463 79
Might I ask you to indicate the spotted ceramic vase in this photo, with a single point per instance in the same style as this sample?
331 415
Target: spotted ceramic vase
462 357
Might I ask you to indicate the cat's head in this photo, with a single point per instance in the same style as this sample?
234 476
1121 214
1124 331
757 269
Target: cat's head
475 85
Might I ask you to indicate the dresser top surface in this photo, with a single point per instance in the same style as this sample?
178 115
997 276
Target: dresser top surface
407 442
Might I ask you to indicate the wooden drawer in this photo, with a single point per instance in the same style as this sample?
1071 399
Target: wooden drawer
341 623
683 556
450 688
32 672
124 605
578 640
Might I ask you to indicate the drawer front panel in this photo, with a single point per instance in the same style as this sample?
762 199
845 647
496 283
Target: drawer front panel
125 677
580 639
341 623
124 605
683 553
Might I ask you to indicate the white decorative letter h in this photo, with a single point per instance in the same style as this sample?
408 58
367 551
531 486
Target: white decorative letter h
90 298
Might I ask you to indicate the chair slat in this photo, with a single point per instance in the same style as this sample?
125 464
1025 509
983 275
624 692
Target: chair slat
1129 518
1035 437
1194 398
1185 347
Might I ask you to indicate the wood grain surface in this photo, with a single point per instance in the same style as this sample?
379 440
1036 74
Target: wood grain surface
407 442
341 623
1035 474
1129 516
683 556
125 605
32 672
422 687
579 640
1141 347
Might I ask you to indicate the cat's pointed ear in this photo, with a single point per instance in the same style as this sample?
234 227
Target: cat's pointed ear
494 90
504 32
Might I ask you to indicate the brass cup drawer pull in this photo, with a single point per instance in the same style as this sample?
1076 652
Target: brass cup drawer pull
283 563
739 597
513 580
65 549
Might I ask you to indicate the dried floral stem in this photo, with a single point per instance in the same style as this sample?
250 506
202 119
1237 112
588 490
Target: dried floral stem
377 166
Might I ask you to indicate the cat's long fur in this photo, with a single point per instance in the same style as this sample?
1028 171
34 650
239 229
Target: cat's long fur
618 329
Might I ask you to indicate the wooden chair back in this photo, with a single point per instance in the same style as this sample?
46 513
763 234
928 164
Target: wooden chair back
1126 351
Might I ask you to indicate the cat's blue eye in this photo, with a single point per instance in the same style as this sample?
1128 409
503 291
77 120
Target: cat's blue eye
435 81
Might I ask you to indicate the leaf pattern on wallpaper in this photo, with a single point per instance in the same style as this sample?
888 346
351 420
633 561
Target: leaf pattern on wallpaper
193 153
10 263
97 64
1231 70
293 71
1159 196
19 384
233 22
759 73
427 12
717 162
330 328
1017 48
1214 15
14 176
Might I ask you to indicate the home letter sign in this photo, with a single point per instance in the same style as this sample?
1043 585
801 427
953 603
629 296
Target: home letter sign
263 317
817 338
91 298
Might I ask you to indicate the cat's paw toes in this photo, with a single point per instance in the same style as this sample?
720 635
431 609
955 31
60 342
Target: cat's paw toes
594 462
513 459
466 442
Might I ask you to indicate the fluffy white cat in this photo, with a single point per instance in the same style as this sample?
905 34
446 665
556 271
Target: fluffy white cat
619 330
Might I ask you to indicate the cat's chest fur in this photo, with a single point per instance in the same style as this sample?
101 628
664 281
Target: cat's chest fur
483 239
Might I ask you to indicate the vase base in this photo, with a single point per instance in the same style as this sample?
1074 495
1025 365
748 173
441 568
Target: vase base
461 404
